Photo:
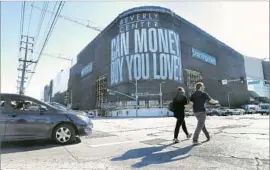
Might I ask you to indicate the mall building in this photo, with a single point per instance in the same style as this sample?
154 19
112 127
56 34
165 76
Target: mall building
258 78
149 51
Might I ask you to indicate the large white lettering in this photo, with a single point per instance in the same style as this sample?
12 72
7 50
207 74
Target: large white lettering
125 43
140 40
113 56
172 41
163 66
163 40
137 67
156 75
120 67
117 49
141 44
175 62
170 64
145 66
129 64
152 40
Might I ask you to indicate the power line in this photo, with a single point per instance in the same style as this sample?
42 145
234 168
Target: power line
75 21
22 18
49 22
23 11
44 42
41 20
56 56
30 19
60 7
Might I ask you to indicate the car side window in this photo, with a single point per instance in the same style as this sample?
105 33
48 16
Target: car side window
2 104
22 105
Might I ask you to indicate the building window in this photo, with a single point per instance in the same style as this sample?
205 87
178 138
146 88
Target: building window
192 77
101 91
153 103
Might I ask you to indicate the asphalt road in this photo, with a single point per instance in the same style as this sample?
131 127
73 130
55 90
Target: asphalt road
237 143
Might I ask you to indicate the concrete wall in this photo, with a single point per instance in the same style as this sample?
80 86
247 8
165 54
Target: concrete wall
254 68
60 84
140 113
266 70
46 93
256 72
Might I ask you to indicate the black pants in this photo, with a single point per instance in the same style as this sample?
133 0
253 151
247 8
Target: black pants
179 122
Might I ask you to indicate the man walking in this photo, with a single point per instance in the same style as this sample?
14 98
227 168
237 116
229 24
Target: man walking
198 98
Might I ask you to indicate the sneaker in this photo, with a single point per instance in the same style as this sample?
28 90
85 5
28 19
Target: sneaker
175 140
189 135
195 142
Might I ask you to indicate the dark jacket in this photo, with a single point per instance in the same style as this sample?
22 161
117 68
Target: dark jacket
178 106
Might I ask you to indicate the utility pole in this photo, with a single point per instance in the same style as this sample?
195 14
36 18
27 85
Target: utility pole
28 47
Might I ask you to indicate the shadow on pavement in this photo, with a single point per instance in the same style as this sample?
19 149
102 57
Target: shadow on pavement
30 145
164 157
140 152
149 155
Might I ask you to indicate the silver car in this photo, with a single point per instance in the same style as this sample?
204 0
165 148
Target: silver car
25 118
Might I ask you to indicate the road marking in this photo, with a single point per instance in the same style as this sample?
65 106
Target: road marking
117 143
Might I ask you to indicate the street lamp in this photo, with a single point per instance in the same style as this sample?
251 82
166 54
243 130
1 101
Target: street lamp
229 99
160 93
136 94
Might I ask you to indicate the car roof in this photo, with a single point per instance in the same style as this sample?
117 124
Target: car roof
17 95
12 94
20 95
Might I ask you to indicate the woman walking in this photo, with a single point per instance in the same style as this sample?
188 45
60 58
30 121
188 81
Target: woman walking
178 105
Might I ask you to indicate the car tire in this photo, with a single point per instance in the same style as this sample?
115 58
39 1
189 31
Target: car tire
64 134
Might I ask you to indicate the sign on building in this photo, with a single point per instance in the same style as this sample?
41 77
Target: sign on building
87 69
224 82
144 49
203 56
254 82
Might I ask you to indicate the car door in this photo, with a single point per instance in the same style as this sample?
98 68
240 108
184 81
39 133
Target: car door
3 107
25 123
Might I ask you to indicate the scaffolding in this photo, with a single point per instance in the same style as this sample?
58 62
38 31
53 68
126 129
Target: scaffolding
192 77
101 91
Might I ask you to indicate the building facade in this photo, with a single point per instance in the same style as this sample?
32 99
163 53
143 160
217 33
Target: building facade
258 72
152 50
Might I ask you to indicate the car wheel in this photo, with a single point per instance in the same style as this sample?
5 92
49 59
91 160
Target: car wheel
64 134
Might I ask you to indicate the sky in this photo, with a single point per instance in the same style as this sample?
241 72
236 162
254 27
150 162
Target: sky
244 26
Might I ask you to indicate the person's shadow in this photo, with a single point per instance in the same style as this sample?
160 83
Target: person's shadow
149 155
164 157
140 152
